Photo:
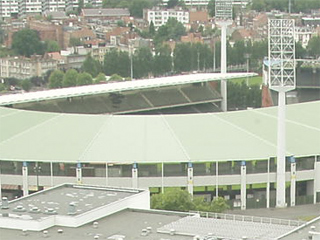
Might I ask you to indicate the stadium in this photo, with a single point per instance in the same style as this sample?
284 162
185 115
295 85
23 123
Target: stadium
114 140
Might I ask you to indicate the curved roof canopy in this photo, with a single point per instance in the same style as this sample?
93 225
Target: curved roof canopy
117 87
240 135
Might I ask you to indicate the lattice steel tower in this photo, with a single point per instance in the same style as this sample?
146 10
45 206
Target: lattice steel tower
223 15
282 78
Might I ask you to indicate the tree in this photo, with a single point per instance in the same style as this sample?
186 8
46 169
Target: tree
74 42
27 42
80 6
55 79
70 78
211 8
162 62
171 30
91 66
26 85
84 79
313 47
174 200
117 62
142 62
219 205
100 78
52 46
136 7
115 77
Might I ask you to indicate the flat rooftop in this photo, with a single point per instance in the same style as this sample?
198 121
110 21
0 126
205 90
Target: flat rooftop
69 205
57 200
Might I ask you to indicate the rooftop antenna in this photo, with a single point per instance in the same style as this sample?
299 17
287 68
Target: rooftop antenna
282 78
223 16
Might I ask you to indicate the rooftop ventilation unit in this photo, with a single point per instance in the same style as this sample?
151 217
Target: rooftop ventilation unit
19 208
50 211
60 230
95 224
5 203
72 209
45 234
34 210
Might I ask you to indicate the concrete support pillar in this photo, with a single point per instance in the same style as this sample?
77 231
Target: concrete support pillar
316 179
281 152
243 185
135 175
51 174
190 178
224 66
79 173
162 178
217 179
107 175
268 185
25 184
0 184
293 182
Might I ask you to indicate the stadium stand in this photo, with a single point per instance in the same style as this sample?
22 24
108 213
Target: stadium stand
190 98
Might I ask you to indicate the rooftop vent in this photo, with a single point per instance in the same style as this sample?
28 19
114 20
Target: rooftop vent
24 232
19 208
5 203
72 209
96 237
60 230
45 234
144 232
34 210
50 211
95 224
172 231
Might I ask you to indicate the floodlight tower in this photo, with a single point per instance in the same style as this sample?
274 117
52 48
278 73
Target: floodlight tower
223 15
282 78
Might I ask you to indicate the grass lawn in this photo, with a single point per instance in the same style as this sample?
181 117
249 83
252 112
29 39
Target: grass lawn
252 80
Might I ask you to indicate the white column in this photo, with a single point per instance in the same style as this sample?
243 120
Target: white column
135 175
162 178
315 181
243 185
281 152
0 184
51 174
79 173
25 184
224 67
190 178
217 179
293 182
268 185
107 175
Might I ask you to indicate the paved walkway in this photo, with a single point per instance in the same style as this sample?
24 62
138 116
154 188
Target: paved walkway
301 212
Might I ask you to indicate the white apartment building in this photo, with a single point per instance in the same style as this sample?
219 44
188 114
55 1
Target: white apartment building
159 17
23 68
29 7
53 5
8 8
205 2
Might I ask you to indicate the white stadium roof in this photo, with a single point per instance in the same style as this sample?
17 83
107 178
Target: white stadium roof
239 135
117 87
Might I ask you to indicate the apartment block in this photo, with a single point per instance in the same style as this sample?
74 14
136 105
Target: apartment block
23 68
160 16
8 8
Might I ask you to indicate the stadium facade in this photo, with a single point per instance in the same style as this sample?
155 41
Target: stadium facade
227 154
